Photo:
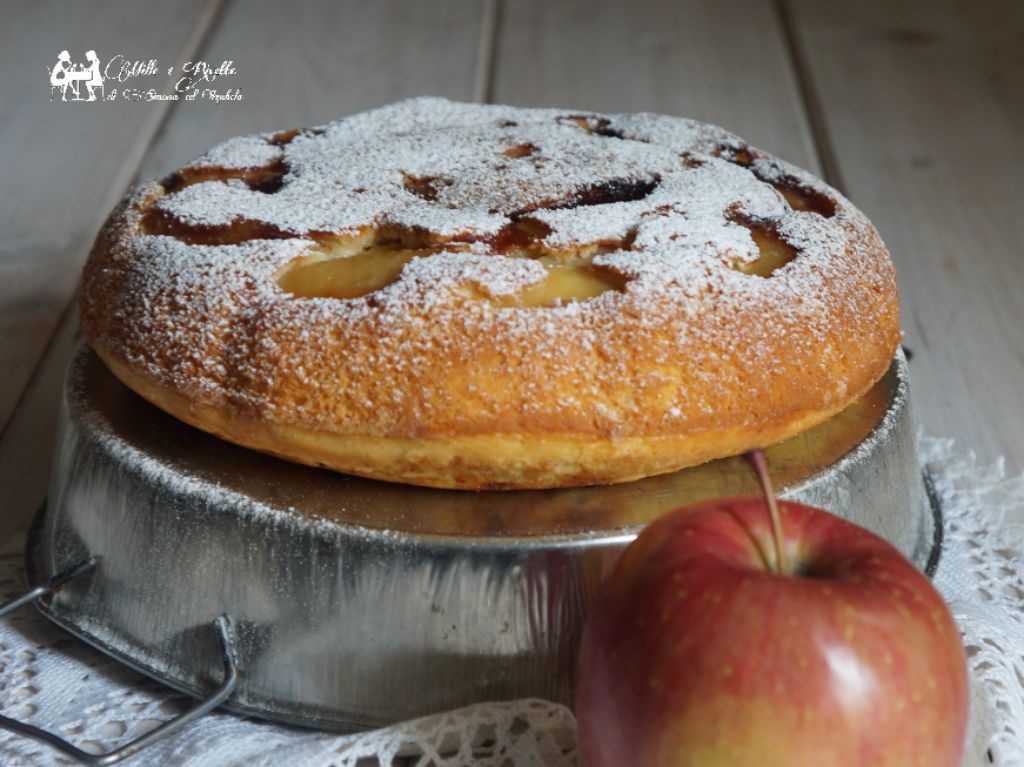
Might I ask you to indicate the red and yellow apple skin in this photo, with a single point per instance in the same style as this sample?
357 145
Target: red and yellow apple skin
697 654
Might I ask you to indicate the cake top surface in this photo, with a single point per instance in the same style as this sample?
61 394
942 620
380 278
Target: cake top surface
657 200
682 240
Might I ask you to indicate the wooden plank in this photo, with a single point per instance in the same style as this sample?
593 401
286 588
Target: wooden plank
721 62
65 163
293 70
26 449
922 104
309 63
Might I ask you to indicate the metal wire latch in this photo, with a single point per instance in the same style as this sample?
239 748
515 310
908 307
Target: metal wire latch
222 626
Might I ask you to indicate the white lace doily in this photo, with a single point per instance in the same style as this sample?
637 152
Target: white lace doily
59 683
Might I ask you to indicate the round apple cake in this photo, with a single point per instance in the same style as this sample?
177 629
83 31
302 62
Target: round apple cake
476 296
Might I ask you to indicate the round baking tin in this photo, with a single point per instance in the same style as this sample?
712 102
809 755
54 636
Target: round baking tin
356 603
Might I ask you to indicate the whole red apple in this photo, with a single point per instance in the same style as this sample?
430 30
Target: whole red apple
698 653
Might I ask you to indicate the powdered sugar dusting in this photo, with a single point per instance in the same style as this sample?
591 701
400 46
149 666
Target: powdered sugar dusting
665 198
240 152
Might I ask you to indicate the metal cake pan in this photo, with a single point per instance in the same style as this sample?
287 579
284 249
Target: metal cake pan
356 603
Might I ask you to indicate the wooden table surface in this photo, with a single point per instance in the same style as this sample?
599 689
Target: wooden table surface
913 108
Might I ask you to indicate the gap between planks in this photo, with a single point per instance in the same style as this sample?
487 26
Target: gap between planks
813 111
483 79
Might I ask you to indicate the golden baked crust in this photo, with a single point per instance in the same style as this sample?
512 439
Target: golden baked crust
472 296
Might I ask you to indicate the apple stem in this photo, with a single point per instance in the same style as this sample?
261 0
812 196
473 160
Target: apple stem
760 464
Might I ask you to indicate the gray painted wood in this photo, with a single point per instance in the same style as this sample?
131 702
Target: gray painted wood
722 62
308 63
923 106
65 164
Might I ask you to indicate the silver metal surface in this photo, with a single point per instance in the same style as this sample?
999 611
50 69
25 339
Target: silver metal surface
357 603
